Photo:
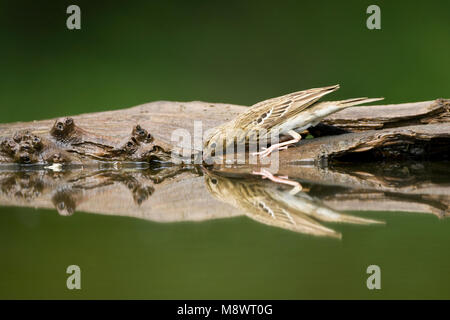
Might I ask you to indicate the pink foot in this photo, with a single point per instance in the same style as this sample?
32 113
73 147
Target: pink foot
280 146
281 179
267 151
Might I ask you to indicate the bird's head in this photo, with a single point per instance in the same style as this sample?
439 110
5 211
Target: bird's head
225 139
220 187
214 144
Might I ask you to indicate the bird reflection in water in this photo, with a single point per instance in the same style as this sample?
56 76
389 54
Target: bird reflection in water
280 204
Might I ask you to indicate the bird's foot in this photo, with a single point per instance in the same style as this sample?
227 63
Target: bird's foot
297 187
268 151
279 146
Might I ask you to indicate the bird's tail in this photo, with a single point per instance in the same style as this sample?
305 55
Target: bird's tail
357 101
345 218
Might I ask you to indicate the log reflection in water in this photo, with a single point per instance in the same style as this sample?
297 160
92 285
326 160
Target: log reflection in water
172 194
164 194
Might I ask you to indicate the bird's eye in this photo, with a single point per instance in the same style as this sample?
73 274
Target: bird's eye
213 145
214 181
25 159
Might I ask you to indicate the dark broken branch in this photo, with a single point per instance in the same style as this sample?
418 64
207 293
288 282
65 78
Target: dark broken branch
421 142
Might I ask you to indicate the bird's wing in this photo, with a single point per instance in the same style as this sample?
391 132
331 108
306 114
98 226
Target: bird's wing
312 207
268 113
265 209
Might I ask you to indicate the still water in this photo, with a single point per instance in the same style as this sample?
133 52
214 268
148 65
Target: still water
191 233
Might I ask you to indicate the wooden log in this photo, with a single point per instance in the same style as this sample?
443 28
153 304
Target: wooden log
121 135
417 142
365 118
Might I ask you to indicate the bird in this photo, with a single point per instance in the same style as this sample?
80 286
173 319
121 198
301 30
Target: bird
285 117
274 205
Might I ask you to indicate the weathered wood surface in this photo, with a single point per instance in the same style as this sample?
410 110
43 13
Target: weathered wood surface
390 116
105 135
161 118
104 131
398 143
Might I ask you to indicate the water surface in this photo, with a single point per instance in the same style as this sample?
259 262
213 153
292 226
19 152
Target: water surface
162 233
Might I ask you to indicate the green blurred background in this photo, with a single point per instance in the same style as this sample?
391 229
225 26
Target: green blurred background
238 52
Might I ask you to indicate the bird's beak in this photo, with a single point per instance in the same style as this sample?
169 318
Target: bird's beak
205 170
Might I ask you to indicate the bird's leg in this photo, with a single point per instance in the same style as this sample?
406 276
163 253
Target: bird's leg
284 180
280 146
